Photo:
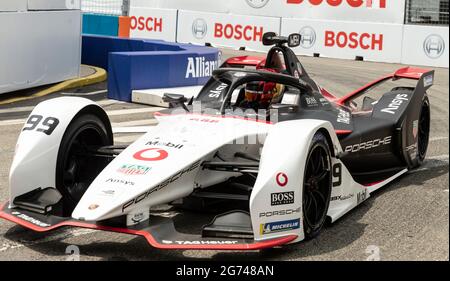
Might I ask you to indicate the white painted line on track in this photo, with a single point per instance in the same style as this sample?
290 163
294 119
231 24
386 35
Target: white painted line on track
64 234
30 108
110 113
85 94
438 138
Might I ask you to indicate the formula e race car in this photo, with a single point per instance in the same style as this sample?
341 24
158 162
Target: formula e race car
262 157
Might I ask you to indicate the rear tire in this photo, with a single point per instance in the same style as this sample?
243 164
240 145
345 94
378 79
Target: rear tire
423 133
316 186
75 167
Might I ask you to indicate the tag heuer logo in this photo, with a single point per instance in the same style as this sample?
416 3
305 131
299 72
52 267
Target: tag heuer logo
199 28
257 3
434 46
308 37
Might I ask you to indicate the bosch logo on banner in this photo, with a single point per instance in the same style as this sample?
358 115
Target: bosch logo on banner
257 4
434 46
238 32
308 37
336 3
199 28
354 40
149 24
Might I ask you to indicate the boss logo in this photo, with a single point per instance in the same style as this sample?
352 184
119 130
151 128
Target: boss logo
434 46
199 28
308 37
282 198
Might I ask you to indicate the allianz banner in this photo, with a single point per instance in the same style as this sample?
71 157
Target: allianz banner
224 29
382 11
346 40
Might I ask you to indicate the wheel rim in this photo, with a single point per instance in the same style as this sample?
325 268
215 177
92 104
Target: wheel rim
424 130
80 167
316 186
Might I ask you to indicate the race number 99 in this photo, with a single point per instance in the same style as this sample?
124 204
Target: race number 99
38 123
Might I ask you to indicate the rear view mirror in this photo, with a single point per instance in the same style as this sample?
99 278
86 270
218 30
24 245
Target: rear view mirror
268 38
294 40
175 100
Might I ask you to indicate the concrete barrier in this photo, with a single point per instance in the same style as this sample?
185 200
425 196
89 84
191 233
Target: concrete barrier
135 64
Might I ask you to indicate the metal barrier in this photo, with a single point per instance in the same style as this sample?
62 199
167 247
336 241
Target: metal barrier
106 7
429 12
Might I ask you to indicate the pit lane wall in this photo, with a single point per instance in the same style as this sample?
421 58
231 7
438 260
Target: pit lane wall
371 29
40 43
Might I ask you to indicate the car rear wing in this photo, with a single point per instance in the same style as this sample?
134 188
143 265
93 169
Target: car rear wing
425 77
244 62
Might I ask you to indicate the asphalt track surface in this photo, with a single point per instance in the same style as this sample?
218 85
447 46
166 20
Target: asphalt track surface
406 220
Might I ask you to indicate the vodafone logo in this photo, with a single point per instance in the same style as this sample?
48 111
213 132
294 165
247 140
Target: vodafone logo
348 3
354 40
281 179
238 32
150 24
151 154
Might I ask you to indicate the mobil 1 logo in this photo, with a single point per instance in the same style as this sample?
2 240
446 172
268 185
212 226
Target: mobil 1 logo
282 198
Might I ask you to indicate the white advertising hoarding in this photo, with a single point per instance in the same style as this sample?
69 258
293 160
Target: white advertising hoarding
153 23
13 5
224 29
346 40
39 48
54 4
425 45
386 11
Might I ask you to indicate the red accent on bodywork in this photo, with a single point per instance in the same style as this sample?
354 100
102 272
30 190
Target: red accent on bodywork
327 95
150 239
406 72
343 132
245 60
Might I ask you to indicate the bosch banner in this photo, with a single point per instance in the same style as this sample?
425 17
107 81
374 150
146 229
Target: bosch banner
383 11
346 39
425 45
153 23
224 29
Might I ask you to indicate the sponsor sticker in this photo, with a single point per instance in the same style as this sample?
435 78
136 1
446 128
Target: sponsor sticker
149 154
133 170
282 179
428 80
30 219
279 226
279 213
281 198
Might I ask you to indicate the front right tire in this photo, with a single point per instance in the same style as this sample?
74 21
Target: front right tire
317 184
76 167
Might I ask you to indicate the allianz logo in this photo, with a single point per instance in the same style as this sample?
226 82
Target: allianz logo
198 67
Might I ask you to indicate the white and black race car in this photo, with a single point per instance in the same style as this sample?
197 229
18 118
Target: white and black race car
262 157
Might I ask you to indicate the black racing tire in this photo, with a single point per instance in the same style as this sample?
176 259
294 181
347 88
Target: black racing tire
76 168
317 184
423 135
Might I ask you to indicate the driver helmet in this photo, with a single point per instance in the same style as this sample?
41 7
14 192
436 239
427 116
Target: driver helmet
260 91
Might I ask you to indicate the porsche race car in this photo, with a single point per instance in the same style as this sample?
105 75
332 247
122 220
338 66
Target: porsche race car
262 157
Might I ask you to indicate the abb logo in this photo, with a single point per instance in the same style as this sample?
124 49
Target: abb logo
149 24
238 32
354 40
335 3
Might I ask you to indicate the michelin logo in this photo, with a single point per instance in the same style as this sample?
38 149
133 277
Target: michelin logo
200 67
278 226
